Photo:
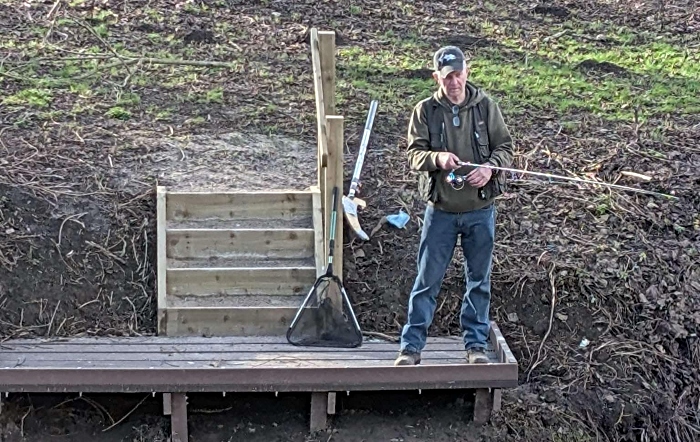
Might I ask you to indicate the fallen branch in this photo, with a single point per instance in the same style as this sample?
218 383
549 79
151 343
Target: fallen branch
551 319
126 415
381 336
91 30
127 61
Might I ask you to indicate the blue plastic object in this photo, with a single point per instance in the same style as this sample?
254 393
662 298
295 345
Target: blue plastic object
399 220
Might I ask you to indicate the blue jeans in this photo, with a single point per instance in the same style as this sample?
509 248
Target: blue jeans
437 243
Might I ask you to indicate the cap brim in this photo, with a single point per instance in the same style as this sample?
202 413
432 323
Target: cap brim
445 71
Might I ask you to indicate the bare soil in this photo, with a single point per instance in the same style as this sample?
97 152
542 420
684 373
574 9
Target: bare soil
597 292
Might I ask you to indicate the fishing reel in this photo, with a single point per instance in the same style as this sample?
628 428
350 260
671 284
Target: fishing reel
456 181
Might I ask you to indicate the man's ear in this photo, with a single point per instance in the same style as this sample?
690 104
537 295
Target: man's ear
436 77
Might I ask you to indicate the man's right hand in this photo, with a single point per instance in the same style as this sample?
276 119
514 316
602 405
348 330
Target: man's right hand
447 161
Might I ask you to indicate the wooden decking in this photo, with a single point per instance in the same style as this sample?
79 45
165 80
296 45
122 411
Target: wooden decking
176 366
190 364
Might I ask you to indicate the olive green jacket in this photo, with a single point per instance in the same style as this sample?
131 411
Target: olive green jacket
479 114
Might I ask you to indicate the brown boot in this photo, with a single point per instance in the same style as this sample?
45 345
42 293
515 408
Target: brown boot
477 356
406 358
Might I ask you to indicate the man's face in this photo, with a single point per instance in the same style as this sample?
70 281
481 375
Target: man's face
453 83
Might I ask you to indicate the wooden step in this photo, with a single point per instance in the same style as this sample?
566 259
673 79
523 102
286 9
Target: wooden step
253 243
236 263
240 262
229 321
240 281
238 301
299 222
287 205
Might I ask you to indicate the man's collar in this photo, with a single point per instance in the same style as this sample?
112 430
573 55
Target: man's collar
442 97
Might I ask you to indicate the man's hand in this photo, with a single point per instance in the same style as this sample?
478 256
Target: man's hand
479 177
447 161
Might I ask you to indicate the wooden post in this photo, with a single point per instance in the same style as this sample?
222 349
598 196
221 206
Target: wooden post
331 402
326 40
161 258
178 419
322 133
319 411
323 60
334 177
167 404
321 250
483 405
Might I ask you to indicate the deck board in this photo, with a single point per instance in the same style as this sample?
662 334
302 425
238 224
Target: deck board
244 364
97 351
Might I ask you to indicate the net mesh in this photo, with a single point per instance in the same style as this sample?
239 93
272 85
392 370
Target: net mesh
326 318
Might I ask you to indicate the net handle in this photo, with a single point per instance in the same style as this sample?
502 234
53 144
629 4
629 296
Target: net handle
331 245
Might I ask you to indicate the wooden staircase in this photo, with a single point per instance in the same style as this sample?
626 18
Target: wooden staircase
236 263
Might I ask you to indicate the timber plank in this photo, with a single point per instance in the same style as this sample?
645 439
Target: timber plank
214 363
179 430
319 238
240 281
111 341
260 243
236 301
303 221
259 378
240 262
161 259
235 321
219 348
238 205
30 358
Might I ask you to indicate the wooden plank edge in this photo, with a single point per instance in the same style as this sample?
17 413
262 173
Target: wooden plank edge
318 93
326 49
239 269
334 176
161 258
276 192
320 254
262 378
171 340
183 230
500 345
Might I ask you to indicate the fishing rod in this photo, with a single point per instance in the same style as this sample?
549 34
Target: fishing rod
454 179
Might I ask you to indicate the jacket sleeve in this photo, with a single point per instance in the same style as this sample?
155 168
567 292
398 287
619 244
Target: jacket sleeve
420 157
499 138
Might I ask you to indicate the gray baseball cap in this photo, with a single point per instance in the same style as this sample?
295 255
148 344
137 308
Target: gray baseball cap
448 59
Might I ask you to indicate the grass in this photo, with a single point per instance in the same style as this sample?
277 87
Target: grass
38 98
655 77
534 73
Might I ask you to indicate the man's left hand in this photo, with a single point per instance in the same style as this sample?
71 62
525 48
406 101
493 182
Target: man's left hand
479 177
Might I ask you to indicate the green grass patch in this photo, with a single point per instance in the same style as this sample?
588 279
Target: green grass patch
564 75
39 98
119 113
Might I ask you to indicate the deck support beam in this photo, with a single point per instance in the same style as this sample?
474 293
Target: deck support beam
178 418
486 400
319 411
167 404
331 402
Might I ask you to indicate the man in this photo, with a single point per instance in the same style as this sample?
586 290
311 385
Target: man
458 123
